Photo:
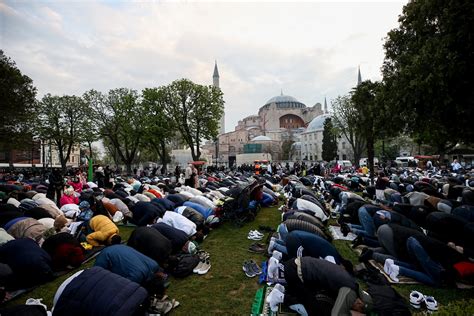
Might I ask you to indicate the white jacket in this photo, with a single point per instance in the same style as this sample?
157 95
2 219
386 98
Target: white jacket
180 222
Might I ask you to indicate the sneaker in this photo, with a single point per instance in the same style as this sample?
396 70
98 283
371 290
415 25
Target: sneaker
256 232
431 303
162 307
254 237
254 266
198 267
248 270
36 301
359 240
416 298
203 255
391 269
206 266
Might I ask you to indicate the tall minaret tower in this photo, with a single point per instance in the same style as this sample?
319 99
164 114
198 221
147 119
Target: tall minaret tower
215 83
325 106
359 77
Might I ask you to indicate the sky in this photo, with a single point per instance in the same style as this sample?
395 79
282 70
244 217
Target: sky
309 50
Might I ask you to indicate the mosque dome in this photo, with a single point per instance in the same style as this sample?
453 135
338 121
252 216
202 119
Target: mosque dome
285 102
317 123
261 138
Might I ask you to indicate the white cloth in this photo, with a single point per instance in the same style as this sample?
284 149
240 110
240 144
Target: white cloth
70 210
193 191
302 204
92 185
180 222
204 201
186 194
14 202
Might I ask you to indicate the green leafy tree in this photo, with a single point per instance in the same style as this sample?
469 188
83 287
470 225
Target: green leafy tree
345 119
329 146
119 117
17 95
195 111
159 127
59 120
427 71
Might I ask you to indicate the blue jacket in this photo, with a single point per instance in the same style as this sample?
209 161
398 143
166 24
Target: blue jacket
165 204
177 199
145 212
201 209
127 262
100 292
31 265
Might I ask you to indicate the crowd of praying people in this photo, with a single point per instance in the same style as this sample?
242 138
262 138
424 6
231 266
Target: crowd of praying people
415 223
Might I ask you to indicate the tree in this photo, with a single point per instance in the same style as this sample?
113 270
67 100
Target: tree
59 120
372 119
427 71
119 117
195 111
159 128
329 141
286 149
345 118
17 95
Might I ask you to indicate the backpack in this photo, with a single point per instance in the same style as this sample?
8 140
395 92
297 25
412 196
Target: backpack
185 266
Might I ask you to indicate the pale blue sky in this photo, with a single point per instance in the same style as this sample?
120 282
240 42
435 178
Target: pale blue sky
308 49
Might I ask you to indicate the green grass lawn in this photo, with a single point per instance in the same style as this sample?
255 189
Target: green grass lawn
225 290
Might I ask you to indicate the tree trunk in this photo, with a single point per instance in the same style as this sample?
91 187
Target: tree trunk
163 154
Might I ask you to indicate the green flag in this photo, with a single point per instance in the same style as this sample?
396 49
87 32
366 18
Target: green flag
90 173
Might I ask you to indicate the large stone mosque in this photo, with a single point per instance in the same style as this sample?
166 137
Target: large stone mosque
282 118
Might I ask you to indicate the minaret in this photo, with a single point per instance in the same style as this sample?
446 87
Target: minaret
325 106
359 77
215 83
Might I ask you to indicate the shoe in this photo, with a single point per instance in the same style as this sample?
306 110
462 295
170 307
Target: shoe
391 269
253 236
203 255
255 248
248 270
206 266
358 241
416 298
345 230
162 307
36 301
254 266
198 267
431 303
366 255
256 232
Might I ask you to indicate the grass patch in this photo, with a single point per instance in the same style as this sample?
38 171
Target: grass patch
225 290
